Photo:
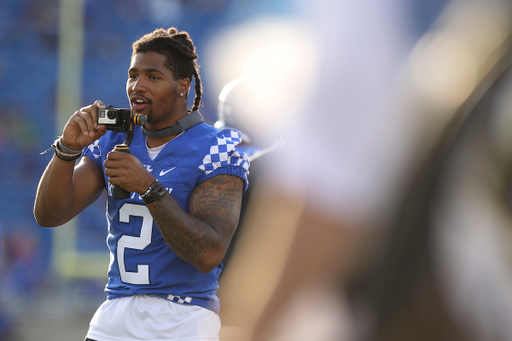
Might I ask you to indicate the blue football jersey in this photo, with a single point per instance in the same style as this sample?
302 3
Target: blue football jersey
140 260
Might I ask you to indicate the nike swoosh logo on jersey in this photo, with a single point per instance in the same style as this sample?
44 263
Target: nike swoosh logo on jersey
162 172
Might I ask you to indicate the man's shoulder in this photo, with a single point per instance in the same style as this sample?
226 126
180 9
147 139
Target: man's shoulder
224 140
202 130
206 135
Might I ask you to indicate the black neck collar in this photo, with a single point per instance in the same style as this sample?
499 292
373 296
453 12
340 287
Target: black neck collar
187 121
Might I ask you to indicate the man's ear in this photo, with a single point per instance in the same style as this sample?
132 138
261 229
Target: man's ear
184 86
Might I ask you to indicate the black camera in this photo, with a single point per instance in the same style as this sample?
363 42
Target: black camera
115 119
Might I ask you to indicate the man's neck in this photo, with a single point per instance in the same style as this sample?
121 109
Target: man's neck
155 142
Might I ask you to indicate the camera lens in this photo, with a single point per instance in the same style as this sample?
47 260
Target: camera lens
111 114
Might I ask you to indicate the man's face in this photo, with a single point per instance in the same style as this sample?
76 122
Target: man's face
152 90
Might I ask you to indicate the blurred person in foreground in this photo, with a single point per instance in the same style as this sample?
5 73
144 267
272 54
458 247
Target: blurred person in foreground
314 214
186 181
237 109
346 247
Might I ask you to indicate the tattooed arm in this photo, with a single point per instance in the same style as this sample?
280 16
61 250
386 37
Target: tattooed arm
202 237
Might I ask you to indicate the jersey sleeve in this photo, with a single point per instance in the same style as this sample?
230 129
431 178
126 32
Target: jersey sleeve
93 152
224 158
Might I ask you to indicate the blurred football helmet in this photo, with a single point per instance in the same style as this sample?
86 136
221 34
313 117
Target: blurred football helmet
240 108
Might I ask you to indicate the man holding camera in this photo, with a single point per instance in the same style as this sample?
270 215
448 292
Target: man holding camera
185 181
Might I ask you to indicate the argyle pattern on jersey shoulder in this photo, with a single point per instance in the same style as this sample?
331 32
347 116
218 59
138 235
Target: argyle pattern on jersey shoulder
223 153
95 149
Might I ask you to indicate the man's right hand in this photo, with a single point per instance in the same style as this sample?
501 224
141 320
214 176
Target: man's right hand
82 128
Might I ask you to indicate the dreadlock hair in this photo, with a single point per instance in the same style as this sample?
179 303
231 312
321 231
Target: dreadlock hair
180 52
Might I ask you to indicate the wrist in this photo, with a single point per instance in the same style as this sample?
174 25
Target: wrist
155 192
64 153
68 147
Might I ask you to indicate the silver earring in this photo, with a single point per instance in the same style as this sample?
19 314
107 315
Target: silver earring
181 94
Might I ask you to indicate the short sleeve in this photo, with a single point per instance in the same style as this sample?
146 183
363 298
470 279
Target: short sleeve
224 158
93 152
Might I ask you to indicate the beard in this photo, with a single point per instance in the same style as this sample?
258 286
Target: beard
156 119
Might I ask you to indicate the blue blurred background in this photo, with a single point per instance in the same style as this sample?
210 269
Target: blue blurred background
36 290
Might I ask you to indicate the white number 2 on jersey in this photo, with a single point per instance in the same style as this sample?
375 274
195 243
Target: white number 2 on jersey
141 276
